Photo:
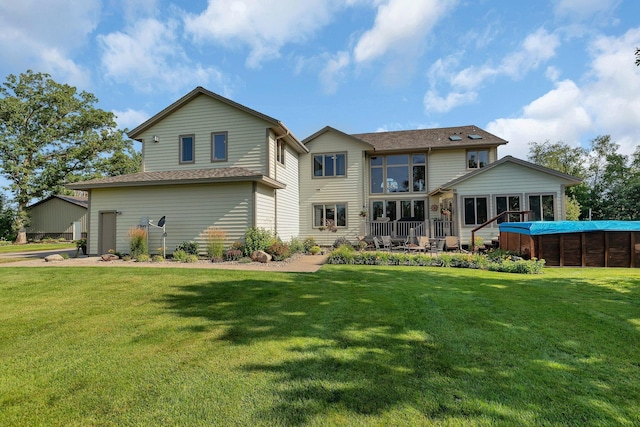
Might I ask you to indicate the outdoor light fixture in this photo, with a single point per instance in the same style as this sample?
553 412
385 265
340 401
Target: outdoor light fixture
156 138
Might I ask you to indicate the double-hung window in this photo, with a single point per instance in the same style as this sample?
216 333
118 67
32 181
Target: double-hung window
508 203
542 207
219 146
280 151
329 165
187 149
335 214
475 210
477 159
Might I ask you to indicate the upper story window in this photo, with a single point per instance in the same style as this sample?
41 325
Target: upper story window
329 165
280 151
398 173
219 146
187 149
477 159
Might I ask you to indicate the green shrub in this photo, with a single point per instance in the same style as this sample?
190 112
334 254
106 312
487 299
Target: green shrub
347 255
190 259
180 255
215 242
279 251
313 250
296 245
257 239
126 258
137 241
233 254
308 243
341 241
361 245
157 258
190 247
237 246
142 258
342 255
64 255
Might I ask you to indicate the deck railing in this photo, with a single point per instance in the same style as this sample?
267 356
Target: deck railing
396 228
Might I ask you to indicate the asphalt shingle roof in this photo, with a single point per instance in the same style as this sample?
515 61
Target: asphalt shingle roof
430 138
187 176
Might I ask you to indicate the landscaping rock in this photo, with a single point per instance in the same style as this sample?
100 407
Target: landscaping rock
109 257
53 258
261 256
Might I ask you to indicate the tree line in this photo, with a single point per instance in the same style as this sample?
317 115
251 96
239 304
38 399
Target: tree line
611 181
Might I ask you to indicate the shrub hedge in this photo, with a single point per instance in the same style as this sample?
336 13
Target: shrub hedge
345 254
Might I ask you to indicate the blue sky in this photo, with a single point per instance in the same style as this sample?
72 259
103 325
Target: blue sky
524 70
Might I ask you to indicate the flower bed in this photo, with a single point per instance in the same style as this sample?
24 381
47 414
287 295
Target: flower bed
506 263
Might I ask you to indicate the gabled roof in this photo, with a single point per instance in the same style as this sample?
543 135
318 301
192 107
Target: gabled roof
190 176
78 201
451 137
331 129
570 179
281 129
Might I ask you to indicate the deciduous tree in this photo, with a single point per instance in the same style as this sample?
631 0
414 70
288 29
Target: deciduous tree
49 132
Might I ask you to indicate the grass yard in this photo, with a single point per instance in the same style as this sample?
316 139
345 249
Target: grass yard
31 247
349 345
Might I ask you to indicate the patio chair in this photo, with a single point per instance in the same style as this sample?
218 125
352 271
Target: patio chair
381 245
387 243
452 243
424 243
439 245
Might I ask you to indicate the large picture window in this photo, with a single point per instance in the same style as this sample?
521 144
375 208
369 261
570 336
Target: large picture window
475 210
508 203
542 207
398 173
398 209
219 146
329 165
187 149
336 213
477 159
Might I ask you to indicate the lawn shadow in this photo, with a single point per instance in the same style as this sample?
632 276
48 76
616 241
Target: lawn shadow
368 341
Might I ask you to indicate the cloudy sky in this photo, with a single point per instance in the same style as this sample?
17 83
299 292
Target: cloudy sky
526 71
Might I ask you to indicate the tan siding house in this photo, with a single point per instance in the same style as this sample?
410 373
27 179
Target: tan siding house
211 162
327 186
58 216
207 163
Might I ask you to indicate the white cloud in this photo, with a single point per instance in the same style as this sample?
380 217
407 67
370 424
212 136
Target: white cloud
556 116
536 48
582 9
148 56
130 119
608 103
400 25
42 36
265 26
438 104
334 71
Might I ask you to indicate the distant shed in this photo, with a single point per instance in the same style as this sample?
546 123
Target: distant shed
58 216
575 243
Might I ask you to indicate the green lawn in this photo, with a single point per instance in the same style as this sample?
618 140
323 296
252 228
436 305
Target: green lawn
349 345
30 247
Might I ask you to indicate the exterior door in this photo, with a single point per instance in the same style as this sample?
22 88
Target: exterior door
106 232
77 230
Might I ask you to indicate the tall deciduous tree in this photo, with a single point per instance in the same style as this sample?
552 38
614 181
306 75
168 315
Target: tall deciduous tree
49 132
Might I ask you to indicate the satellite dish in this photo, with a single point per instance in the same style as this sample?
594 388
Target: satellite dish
161 222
